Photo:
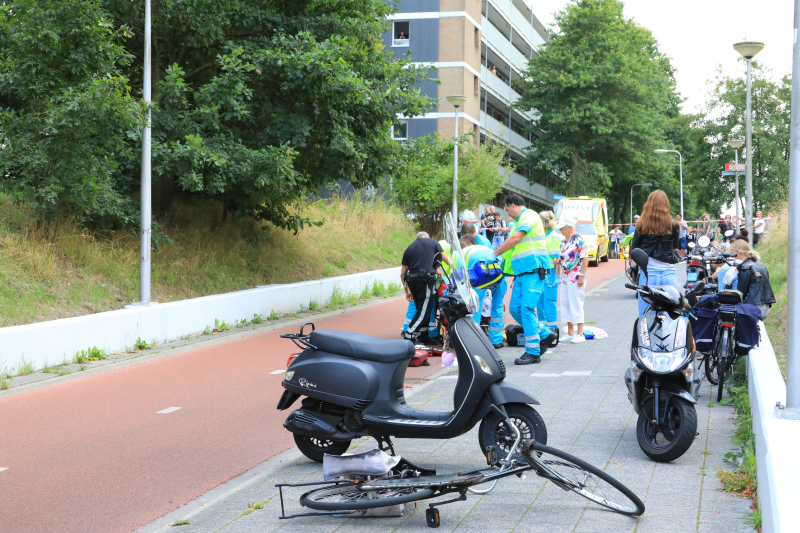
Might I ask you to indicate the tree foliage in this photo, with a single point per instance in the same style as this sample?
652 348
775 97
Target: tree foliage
66 114
259 102
423 180
605 94
724 119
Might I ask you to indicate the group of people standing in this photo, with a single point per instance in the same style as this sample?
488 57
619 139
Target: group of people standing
531 253
664 238
492 229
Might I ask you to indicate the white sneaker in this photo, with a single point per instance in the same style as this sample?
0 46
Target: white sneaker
578 339
566 338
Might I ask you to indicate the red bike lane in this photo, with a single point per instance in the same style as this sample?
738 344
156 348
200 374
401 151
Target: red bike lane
95 454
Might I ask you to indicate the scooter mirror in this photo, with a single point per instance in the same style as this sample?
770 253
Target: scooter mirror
703 241
641 258
691 245
729 233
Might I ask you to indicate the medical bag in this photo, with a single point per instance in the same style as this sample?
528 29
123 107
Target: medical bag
485 275
515 336
421 354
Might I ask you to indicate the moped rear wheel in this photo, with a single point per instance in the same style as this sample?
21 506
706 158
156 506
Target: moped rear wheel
316 448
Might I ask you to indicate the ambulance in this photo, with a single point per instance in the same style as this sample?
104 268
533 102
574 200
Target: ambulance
592 217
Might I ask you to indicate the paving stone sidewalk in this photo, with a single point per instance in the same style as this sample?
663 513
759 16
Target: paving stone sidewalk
584 403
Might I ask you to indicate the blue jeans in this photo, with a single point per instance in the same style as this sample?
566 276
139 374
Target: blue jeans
657 277
497 241
496 322
525 297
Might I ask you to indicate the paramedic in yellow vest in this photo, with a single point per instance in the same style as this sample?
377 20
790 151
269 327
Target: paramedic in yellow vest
525 257
547 308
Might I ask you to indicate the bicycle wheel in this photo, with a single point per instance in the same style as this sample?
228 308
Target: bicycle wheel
350 497
722 370
711 361
571 473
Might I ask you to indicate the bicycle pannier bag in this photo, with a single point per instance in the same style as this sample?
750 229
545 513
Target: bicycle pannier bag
703 328
747 333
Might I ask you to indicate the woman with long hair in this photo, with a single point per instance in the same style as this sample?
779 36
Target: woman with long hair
658 235
547 308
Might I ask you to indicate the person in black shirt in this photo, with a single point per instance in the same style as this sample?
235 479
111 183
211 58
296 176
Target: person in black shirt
420 264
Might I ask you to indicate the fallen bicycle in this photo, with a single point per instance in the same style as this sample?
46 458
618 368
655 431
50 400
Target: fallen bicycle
408 483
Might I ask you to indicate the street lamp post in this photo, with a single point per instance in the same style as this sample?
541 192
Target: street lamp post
456 101
681 170
643 185
146 207
736 145
748 49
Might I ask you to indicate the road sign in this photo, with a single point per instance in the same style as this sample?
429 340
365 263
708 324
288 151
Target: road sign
729 173
734 166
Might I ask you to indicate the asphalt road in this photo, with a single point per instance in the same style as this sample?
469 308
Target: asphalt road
95 454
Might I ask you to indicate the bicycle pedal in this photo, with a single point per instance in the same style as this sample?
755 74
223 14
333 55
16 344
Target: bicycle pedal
432 517
491 455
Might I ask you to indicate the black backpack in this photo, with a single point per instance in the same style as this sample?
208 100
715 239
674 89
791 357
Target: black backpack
515 336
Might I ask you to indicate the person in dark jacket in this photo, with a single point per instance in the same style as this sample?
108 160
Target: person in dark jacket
753 278
657 234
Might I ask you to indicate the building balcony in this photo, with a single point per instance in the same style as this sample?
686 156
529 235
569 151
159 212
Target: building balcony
501 131
502 46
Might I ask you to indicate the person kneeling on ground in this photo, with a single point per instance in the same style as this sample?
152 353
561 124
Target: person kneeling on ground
572 265
487 279
420 265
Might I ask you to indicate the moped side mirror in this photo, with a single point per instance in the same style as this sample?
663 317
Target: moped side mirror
691 245
703 241
641 258
729 233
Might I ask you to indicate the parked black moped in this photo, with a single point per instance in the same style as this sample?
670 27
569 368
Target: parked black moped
663 381
352 384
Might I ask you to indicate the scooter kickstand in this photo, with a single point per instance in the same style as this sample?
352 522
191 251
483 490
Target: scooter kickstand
385 442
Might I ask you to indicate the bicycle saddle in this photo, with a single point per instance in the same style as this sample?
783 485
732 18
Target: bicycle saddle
358 346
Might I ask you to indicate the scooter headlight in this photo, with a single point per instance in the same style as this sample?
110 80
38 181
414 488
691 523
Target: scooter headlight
662 362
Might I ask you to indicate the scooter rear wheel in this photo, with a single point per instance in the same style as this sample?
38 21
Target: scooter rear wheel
315 448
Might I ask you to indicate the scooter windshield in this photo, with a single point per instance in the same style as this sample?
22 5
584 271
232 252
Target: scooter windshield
459 275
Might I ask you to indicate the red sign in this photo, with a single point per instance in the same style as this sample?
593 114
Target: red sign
734 166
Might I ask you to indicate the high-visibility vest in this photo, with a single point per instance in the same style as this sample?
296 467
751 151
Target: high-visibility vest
553 244
531 252
483 274
446 249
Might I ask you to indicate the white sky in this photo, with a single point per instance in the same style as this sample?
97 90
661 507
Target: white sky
698 35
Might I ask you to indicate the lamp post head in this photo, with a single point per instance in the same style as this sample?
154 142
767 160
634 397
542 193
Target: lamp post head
646 184
736 144
662 151
748 49
457 100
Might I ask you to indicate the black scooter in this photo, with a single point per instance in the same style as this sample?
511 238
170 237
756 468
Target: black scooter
663 381
352 386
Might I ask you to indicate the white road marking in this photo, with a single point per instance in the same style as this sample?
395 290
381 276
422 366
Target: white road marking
1 469
278 372
167 410
565 374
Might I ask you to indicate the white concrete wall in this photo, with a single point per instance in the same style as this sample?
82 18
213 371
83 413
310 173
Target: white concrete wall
777 441
115 331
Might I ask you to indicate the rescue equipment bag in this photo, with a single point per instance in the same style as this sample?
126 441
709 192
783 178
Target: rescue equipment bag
421 354
483 274
747 333
515 335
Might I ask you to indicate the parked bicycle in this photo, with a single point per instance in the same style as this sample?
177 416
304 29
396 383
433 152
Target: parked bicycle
720 363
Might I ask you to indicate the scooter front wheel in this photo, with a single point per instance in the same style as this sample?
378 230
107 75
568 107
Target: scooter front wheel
668 441
315 448
493 430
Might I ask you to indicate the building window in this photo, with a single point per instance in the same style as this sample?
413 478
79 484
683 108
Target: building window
477 37
400 36
400 130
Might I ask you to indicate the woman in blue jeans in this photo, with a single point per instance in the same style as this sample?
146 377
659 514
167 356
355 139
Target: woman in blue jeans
657 234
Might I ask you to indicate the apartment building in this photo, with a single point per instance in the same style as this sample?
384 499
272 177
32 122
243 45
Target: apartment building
480 49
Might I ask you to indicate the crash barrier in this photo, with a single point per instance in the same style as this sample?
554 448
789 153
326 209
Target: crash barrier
57 341
777 461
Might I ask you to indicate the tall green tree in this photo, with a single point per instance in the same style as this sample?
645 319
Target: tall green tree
423 177
604 93
724 119
259 102
65 109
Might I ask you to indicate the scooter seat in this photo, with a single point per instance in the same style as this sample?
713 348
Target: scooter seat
358 346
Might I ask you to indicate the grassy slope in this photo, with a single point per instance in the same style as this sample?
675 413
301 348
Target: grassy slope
79 273
774 250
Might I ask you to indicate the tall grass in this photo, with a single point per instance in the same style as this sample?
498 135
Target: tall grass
80 272
774 250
